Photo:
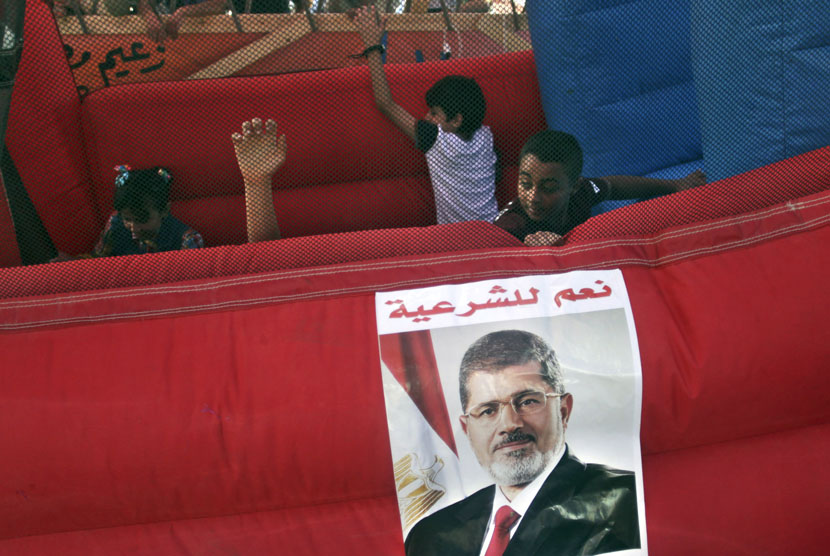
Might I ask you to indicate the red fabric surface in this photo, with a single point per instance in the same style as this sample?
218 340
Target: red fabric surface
758 480
236 260
263 393
304 211
190 417
356 527
753 190
338 103
245 413
44 138
366 170
371 176
810 171
761 495
9 254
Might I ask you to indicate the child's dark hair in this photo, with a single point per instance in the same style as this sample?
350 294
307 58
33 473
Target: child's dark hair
456 94
135 188
556 146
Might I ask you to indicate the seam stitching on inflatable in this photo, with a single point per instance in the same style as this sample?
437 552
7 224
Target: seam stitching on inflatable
642 261
301 273
690 230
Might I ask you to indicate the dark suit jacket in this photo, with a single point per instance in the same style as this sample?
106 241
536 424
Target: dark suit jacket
580 509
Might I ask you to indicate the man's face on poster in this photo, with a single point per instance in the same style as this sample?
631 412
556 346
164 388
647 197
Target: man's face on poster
515 448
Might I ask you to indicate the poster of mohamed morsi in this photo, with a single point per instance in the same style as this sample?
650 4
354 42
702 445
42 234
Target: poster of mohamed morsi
514 415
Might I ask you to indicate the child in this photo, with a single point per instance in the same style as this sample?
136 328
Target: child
554 198
259 153
142 222
459 150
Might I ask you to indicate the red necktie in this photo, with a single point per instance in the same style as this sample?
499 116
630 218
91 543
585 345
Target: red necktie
505 518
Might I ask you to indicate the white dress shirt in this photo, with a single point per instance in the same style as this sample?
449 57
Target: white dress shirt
521 503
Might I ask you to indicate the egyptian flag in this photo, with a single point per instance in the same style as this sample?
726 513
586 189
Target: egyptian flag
424 452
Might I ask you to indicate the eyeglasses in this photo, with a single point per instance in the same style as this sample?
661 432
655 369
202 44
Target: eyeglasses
526 403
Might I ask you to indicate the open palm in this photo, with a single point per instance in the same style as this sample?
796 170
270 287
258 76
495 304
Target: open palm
259 151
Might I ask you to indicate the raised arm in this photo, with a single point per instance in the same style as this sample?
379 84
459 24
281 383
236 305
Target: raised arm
634 187
371 31
259 153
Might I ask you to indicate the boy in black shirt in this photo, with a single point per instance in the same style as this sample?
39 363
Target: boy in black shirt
554 198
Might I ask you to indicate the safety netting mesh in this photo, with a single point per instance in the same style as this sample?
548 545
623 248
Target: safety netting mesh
120 138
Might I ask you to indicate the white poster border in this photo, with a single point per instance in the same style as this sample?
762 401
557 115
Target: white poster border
587 297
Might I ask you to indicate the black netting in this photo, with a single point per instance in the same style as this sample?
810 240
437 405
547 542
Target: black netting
120 130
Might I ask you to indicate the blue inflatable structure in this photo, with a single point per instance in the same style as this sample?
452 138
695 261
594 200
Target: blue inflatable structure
762 72
661 88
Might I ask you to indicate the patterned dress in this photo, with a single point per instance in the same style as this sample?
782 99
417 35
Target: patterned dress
173 235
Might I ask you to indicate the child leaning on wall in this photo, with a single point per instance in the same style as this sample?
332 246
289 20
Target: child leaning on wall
458 148
553 196
141 222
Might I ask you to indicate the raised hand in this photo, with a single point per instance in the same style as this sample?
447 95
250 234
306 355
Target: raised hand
370 26
259 151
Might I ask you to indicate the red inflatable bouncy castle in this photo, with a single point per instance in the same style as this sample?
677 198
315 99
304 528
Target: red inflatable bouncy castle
228 400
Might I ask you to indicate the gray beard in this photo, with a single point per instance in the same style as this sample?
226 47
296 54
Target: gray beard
520 467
